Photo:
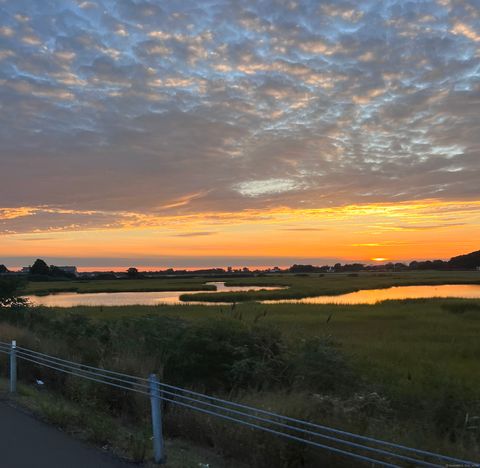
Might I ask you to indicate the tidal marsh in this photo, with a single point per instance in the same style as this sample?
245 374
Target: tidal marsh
406 371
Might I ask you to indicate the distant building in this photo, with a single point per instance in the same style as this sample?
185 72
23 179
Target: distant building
88 274
478 268
71 270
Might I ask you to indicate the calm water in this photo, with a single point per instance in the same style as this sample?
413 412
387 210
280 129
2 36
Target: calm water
372 296
70 299
366 296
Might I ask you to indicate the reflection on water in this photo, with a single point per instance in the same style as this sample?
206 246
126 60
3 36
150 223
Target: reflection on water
372 296
133 298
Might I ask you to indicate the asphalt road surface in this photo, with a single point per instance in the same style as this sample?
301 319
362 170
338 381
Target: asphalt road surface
26 442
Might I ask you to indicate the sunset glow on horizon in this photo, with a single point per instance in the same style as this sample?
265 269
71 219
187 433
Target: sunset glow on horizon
220 133
366 233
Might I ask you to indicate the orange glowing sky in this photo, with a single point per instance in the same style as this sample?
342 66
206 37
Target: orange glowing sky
212 134
367 233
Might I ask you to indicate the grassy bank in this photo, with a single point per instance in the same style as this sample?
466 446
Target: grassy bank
119 285
405 371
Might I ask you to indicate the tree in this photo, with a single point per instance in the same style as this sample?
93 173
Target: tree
466 262
3 269
59 273
132 272
39 268
302 269
439 265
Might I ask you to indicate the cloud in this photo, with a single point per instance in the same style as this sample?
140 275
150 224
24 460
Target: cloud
466 30
416 227
35 239
46 219
307 229
258 188
131 107
422 215
196 234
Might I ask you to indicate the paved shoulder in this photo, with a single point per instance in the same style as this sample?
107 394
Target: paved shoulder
26 442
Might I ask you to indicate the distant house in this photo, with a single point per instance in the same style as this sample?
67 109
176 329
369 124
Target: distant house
71 270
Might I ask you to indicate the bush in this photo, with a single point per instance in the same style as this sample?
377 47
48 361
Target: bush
320 367
226 354
8 293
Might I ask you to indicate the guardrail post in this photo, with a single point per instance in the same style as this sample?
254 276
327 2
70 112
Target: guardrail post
13 367
158 447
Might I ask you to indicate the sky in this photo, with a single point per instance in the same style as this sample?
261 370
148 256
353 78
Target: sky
209 133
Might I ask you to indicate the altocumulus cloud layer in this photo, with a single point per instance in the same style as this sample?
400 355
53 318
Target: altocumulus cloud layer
131 108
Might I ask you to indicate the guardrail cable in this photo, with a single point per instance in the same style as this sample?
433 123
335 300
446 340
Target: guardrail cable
316 426
79 367
83 376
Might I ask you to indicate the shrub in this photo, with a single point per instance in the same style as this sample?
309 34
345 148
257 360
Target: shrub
226 354
320 367
8 293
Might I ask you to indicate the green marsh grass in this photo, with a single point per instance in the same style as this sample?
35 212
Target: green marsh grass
119 285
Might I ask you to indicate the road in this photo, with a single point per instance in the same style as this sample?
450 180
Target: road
26 442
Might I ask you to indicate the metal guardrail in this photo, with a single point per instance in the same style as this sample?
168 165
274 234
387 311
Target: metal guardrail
347 444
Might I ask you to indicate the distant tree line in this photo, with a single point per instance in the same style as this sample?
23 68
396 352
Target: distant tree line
40 271
469 261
